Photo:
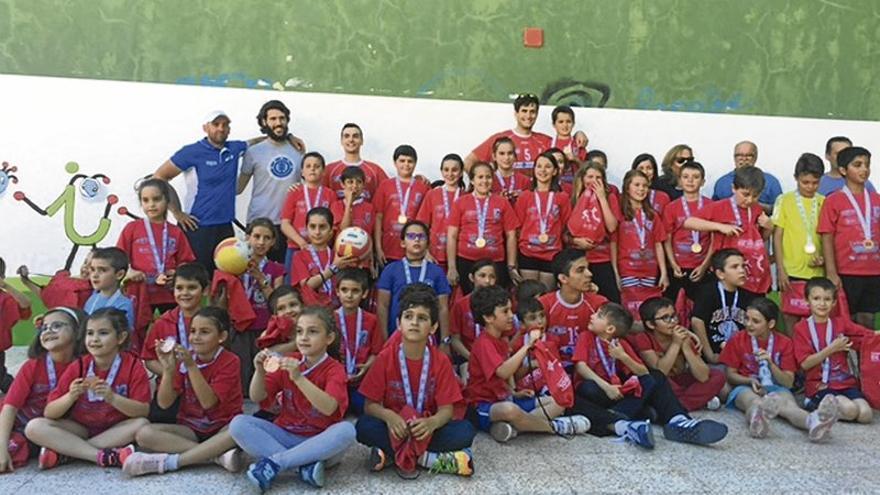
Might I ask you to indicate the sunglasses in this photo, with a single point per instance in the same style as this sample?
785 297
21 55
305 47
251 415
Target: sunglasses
54 327
526 95
416 236
682 160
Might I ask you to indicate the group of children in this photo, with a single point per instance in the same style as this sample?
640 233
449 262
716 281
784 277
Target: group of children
530 301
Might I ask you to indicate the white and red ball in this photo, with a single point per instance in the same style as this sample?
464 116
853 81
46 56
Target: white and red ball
353 241
232 256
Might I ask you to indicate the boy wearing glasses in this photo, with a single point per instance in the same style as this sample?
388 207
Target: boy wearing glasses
672 349
14 307
412 268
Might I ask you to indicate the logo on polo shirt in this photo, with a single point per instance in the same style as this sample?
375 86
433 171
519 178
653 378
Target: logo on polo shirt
281 167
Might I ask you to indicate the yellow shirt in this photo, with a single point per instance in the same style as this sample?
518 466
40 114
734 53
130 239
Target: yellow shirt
787 215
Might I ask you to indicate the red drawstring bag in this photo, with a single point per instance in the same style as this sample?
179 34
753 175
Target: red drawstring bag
632 386
279 330
586 219
532 381
555 377
683 308
408 450
19 450
240 310
633 297
869 367
64 290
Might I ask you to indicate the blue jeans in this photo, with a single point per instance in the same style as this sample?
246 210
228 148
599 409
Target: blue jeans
454 435
261 438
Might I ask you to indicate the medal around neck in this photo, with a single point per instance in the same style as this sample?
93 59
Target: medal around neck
480 243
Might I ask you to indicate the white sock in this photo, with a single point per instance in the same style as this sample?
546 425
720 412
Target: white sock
171 462
620 427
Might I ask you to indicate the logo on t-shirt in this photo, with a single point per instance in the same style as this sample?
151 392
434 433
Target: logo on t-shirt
281 167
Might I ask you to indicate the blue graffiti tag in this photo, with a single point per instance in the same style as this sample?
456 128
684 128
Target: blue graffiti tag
713 102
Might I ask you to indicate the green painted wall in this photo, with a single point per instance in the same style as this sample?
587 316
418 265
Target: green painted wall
814 58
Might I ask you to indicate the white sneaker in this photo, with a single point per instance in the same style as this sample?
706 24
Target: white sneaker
823 418
571 425
714 404
502 431
232 460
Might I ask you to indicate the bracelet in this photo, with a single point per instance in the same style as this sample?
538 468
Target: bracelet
333 269
322 277
512 267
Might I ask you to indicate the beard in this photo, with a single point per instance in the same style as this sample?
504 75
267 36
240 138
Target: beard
273 133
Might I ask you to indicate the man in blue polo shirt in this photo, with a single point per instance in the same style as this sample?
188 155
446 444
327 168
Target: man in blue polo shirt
210 169
745 154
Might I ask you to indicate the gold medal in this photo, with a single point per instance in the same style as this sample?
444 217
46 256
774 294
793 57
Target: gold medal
480 243
696 248
868 244
167 345
272 364
401 219
543 238
810 248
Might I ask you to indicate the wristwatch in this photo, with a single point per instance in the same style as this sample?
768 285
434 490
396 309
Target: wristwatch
446 340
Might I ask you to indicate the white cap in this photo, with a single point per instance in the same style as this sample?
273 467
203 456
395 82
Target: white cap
213 115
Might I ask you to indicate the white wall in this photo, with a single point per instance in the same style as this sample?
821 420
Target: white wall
126 130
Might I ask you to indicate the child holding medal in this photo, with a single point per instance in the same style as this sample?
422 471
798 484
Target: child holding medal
100 402
313 267
299 203
543 212
397 200
508 182
796 244
437 207
481 225
850 227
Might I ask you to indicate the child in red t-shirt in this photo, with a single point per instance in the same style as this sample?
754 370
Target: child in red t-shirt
397 200
310 430
647 164
821 346
411 397
300 201
508 182
360 338
205 377
497 406
53 348
760 366
101 400
463 330
574 148
313 267
155 247
285 303
437 207
353 210
14 307
543 212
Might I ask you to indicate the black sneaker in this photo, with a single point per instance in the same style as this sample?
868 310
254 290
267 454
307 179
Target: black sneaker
695 431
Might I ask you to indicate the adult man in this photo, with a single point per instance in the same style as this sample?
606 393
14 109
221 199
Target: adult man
745 154
833 181
275 164
352 139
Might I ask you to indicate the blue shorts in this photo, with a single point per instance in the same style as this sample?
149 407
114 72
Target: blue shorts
527 404
811 403
731 399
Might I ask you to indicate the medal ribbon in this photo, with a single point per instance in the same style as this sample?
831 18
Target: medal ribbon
351 354
829 333
423 379
111 377
158 258
544 218
864 218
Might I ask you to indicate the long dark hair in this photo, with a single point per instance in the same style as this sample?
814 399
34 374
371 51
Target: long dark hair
456 158
74 317
554 182
625 206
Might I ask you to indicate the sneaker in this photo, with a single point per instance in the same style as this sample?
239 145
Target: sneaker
262 472
114 457
140 463
407 475
571 425
460 462
378 460
232 460
714 404
640 433
823 418
313 474
49 458
502 431
695 431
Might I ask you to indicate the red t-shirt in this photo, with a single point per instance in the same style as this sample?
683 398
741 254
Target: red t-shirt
633 259
658 200
10 314
461 322
224 377
361 215
271 271
131 382
840 377
304 268
295 208
587 352
511 187
368 343
839 219
750 243
298 416
530 224
487 354
647 341
739 355
561 143
587 220
388 203
500 219
433 214
527 148
565 322
136 244
165 326
681 238
30 389
374 173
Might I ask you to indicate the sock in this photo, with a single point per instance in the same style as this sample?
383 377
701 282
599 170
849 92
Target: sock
171 462
620 427
678 418
427 459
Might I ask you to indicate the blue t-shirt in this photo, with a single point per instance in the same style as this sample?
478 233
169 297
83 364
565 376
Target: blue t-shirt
118 300
211 176
772 189
828 185
393 280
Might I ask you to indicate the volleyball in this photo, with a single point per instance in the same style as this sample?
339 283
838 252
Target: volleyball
353 241
232 256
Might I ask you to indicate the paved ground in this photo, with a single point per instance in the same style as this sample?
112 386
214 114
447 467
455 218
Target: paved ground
783 463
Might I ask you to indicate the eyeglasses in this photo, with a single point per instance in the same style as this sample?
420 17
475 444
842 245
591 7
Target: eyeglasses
668 318
416 236
54 327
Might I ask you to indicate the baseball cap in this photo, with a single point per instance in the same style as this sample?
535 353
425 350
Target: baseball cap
213 115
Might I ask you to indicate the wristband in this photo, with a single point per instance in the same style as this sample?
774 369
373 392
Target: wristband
333 269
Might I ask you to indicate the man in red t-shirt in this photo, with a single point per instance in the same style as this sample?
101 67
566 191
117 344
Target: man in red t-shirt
352 141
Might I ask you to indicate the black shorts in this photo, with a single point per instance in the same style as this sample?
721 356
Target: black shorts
534 264
603 276
862 293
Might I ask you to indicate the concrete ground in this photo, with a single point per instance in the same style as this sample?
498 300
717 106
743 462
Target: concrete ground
783 463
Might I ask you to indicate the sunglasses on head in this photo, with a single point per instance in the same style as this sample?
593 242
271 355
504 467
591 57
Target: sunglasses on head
526 95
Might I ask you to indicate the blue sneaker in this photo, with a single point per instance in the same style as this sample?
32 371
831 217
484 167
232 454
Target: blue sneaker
313 474
695 431
640 433
262 472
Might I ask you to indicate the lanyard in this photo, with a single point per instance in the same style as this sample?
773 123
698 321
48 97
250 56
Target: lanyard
96 296
608 363
250 286
182 367
727 312
422 272
739 221
695 236
770 342
482 214
544 218
181 332
158 258
308 371
829 333
317 198
641 228
402 198
328 285
50 370
443 193
351 354
809 222
864 218
111 377
505 184
423 379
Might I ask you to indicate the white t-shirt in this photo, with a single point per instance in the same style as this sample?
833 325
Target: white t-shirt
275 167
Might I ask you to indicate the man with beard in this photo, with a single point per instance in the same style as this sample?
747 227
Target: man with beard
275 164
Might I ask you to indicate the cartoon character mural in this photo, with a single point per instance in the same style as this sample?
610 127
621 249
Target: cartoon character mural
92 189
6 176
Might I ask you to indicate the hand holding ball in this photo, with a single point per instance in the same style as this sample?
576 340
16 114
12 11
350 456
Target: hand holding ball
353 242
232 256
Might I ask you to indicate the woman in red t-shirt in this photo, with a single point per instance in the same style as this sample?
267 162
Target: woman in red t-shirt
437 206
